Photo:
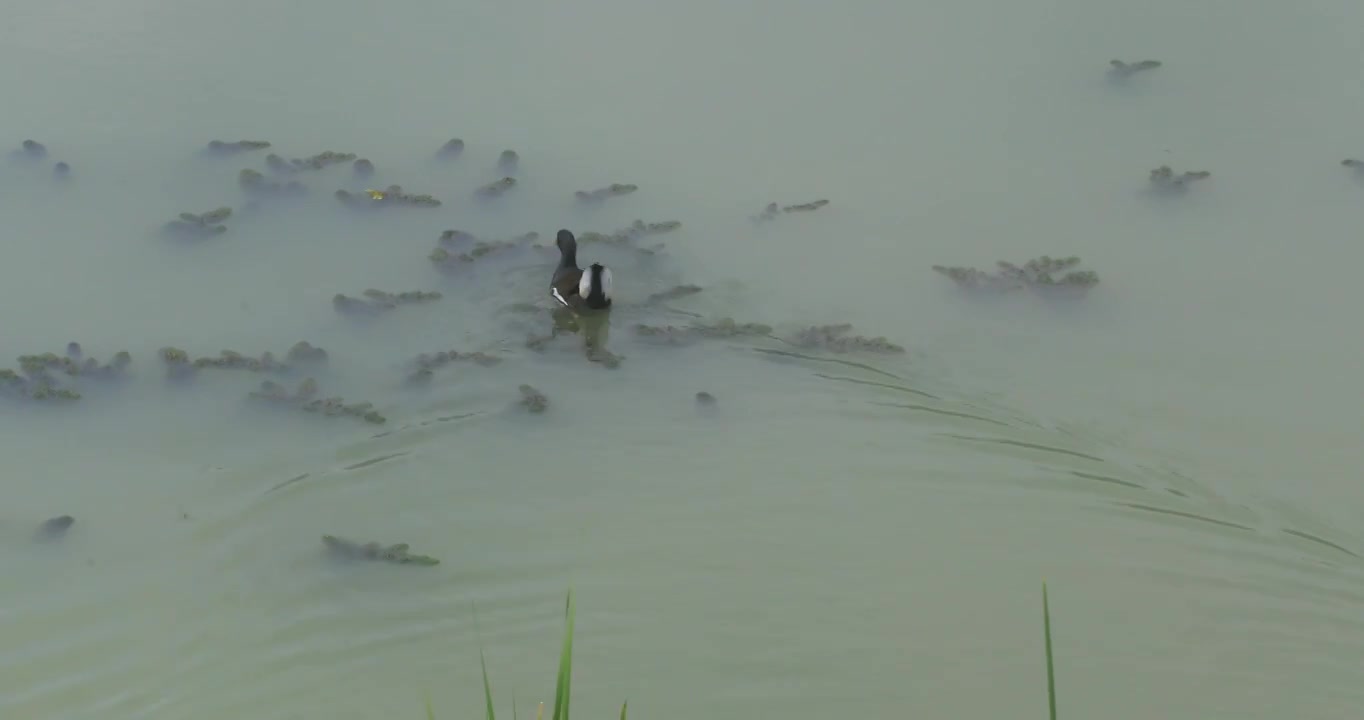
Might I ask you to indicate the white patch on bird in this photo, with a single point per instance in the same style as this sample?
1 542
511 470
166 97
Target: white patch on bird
555 292
606 282
585 284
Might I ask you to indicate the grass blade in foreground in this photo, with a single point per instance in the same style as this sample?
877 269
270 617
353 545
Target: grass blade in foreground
561 689
1046 631
562 686
487 688
622 709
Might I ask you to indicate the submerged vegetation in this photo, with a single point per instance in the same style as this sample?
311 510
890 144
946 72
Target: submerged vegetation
533 400
37 378
305 398
190 225
602 194
54 528
1164 178
31 151
636 231
377 301
1356 165
219 147
773 209
392 196
448 255
281 176
253 183
397 554
1122 70
717 329
451 149
1043 274
180 365
496 188
834 338
424 366
316 162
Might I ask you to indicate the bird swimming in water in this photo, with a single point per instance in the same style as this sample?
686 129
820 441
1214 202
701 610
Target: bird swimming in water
574 287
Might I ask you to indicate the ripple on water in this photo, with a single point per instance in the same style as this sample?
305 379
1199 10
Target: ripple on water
1278 586
305 617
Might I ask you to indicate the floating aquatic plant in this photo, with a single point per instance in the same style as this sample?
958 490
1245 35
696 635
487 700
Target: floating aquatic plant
220 147
1121 70
1164 178
375 301
773 209
1043 274
397 553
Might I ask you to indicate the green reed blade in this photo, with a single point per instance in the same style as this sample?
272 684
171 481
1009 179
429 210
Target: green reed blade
622 709
561 690
483 662
430 713
1046 630
487 688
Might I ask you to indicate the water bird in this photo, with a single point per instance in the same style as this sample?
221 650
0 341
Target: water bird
575 288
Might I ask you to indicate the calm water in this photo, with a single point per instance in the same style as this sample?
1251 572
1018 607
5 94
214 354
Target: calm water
1177 455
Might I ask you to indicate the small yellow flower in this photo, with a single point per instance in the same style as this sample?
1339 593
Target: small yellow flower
375 194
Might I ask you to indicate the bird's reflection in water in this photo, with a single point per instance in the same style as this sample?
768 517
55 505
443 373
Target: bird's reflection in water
595 328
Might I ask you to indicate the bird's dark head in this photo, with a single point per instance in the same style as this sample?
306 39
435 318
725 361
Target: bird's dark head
568 249
566 242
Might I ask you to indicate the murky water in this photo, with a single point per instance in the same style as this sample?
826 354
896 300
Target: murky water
841 534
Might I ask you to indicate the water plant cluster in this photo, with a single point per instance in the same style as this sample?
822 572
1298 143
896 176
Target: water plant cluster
280 178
